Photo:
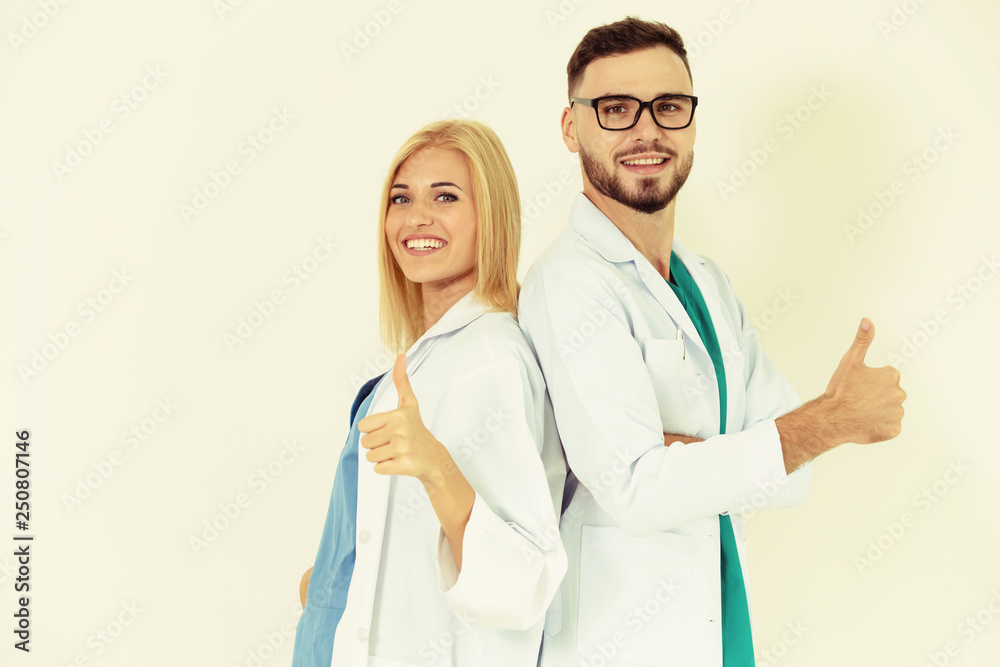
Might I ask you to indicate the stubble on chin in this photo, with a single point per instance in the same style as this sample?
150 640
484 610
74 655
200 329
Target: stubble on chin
649 197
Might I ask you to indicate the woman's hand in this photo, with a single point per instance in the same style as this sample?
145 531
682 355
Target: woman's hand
397 441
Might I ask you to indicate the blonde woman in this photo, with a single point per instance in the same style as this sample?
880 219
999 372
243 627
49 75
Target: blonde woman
441 544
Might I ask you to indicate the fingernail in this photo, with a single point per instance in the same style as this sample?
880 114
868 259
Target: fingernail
865 325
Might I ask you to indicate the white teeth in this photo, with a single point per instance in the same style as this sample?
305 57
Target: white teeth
424 244
647 160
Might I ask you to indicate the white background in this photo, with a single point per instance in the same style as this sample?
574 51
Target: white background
865 591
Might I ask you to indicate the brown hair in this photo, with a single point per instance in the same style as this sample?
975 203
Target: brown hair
629 34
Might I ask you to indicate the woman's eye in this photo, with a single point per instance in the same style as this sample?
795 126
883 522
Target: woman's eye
447 197
399 199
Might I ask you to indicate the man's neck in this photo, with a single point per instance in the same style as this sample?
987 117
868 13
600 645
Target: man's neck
651 234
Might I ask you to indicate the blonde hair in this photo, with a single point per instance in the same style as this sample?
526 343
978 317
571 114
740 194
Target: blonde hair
498 229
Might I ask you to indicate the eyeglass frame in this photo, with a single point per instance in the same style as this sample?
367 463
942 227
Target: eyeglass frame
594 101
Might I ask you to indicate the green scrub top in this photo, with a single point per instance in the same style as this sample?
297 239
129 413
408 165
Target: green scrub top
737 641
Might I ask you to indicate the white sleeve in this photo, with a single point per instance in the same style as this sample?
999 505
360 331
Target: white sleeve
608 416
512 558
768 396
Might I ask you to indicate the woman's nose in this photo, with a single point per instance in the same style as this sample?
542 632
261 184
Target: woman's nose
418 215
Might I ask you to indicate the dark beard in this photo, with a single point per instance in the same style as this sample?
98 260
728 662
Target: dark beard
649 198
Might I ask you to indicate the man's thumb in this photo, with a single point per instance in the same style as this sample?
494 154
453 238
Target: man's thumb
402 382
864 338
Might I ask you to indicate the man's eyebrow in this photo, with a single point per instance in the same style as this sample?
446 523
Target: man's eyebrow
637 97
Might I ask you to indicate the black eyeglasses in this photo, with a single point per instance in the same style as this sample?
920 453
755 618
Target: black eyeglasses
621 112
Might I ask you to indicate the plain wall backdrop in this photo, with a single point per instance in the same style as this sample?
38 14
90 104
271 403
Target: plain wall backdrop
188 193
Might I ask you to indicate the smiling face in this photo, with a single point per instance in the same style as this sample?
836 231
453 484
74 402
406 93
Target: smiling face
430 224
643 167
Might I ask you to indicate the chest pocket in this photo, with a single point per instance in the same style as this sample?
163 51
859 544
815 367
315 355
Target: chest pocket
681 390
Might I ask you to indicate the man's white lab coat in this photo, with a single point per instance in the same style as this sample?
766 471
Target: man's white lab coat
624 364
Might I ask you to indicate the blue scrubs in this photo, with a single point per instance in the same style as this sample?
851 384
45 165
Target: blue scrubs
737 640
334 566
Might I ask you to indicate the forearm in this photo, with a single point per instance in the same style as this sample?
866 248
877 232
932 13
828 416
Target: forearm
452 498
808 431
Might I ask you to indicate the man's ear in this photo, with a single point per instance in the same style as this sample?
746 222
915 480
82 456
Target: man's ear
569 131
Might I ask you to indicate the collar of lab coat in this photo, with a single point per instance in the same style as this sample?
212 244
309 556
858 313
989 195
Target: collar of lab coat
463 312
593 225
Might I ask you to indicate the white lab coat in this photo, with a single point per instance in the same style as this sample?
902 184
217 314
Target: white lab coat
480 393
642 530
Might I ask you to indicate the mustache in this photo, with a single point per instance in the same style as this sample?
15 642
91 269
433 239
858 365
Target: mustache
647 148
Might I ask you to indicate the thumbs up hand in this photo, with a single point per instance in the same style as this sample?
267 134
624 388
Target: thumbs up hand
397 441
869 401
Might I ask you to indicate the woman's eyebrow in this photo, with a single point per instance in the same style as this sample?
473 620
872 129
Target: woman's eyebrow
439 184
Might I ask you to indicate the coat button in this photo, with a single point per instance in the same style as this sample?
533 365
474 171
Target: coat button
362 635
364 536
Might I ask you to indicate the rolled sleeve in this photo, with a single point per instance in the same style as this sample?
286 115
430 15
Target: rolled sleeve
507 579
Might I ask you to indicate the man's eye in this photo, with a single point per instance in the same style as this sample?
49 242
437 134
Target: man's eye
616 108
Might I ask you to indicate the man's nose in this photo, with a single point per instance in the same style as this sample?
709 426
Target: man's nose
645 128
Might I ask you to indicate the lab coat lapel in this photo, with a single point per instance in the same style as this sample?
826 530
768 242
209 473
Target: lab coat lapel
661 290
593 225
728 345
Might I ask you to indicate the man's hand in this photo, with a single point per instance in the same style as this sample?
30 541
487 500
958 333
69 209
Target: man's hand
867 402
671 438
398 442
861 404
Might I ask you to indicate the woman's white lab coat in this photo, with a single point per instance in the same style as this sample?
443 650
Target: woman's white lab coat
481 393
625 364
